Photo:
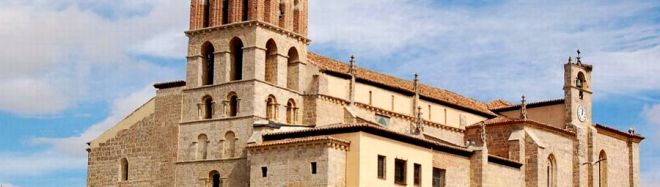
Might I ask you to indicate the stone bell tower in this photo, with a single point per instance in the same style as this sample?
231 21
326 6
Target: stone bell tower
245 66
577 98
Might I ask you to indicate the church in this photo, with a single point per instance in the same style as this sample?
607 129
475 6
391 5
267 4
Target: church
258 109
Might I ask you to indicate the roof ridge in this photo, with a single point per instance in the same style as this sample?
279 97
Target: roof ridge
440 94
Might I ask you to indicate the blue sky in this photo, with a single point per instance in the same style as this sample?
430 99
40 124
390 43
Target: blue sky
73 68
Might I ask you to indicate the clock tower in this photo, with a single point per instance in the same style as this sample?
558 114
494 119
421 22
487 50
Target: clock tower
577 92
577 98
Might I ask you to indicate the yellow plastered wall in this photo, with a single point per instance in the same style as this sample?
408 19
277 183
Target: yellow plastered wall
384 99
553 115
362 160
338 87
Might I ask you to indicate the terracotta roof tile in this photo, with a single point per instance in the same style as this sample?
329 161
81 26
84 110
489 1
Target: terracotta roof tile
301 140
530 105
445 96
499 103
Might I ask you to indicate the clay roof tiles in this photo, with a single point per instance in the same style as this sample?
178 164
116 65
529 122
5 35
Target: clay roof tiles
328 64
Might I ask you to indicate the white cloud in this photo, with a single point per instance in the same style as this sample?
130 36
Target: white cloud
504 49
71 51
7 185
75 146
69 153
29 96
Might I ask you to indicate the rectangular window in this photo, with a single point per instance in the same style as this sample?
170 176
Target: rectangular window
383 120
438 177
264 171
400 171
313 167
381 167
417 175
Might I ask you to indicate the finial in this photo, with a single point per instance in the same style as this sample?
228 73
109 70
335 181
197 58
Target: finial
483 133
570 60
631 131
416 77
523 108
579 57
352 64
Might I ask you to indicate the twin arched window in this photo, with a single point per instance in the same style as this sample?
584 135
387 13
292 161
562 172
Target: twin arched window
291 112
271 108
233 104
208 107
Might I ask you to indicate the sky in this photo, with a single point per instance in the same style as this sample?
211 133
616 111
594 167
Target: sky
71 69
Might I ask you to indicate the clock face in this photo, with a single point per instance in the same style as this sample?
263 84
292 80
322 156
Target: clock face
581 113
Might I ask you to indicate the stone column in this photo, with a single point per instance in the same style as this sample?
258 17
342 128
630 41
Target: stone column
222 67
478 166
282 70
254 63
193 71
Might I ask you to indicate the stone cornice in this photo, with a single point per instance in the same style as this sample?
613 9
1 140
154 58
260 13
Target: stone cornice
326 141
249 24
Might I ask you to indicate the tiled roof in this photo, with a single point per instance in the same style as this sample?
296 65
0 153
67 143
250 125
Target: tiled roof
616 131
499 103
301 140
447 97
530 105
372 129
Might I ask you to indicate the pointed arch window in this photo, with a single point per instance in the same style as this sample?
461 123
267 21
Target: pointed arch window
602 168
271 62
123 169
236 72
230 144
291 112
293 72
208 63
202 144
215 179
551 171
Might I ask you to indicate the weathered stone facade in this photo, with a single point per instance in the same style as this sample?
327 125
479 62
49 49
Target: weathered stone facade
257 109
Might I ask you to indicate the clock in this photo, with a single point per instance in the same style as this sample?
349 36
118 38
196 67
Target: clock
581 113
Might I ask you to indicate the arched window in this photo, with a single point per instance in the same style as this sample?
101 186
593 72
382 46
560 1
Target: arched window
551 171
230 144
233 104
123 169
271 62
214 176
225 11
207 14
271 108
246 10
602 168
293 72
202 144
208 107
268 4
282 13
208 63
296 16
236 46
291 112
580 81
